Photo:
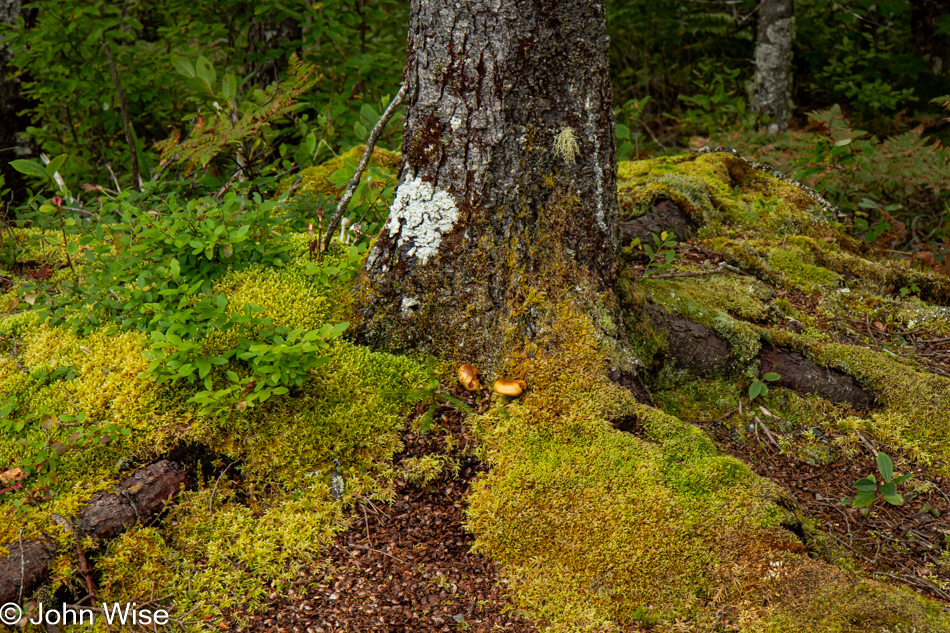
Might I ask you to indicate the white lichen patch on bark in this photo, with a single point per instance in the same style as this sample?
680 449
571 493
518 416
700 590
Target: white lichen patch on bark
419 216
598 170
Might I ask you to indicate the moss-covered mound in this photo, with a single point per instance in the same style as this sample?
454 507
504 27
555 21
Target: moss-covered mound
317 179
604 530
599 529
238 530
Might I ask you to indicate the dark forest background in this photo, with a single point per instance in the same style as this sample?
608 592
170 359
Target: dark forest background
874 73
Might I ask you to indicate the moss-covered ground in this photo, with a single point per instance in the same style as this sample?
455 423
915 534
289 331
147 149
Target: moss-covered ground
597 529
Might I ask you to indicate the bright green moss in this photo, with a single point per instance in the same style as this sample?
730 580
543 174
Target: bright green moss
688 299
723 193
794 265
348 416
593 524
916 403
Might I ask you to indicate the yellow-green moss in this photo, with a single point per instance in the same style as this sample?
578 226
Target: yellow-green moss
316 179
599 529
723 193
347 417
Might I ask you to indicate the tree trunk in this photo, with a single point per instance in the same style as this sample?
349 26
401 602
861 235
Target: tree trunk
925 16
264 36
508 187
773 60
11 102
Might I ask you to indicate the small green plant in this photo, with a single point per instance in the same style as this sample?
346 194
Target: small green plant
863 223
758 388
661 254
431 395
869 487
906 290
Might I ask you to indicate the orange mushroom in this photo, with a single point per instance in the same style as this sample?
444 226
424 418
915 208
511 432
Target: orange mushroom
469 378
511 388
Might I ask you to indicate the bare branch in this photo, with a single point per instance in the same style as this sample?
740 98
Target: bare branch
126 124
364 161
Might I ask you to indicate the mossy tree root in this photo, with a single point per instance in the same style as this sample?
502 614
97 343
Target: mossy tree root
663 215
697 349
104 517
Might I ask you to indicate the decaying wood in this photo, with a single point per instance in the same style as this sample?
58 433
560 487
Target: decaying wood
107 515
798 373
692 346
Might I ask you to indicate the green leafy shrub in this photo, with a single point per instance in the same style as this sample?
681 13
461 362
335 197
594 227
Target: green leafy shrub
869 488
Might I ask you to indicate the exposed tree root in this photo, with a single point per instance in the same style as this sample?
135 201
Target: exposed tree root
696 348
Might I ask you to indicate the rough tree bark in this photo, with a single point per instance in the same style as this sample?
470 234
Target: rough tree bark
508 187
773 60
107 515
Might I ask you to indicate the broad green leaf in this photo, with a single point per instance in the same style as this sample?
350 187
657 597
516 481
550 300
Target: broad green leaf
369 113
29 167
183 66
339 328
757 389
864 499
886 466
771 376
53 166
903 478
205 71
229 86
867 484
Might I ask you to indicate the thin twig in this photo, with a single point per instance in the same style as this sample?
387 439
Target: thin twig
216 482
84 567
364 160
19 599
126 124
357 546
867 444
723 266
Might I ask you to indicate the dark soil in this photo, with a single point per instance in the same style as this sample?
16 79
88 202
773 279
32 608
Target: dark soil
903 543
405 567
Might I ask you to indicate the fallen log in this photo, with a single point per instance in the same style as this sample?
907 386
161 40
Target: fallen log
105 516
664 215
692 346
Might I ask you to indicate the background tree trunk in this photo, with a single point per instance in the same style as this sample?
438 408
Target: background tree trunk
11 102
508 187
264 36
773 60
925 16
